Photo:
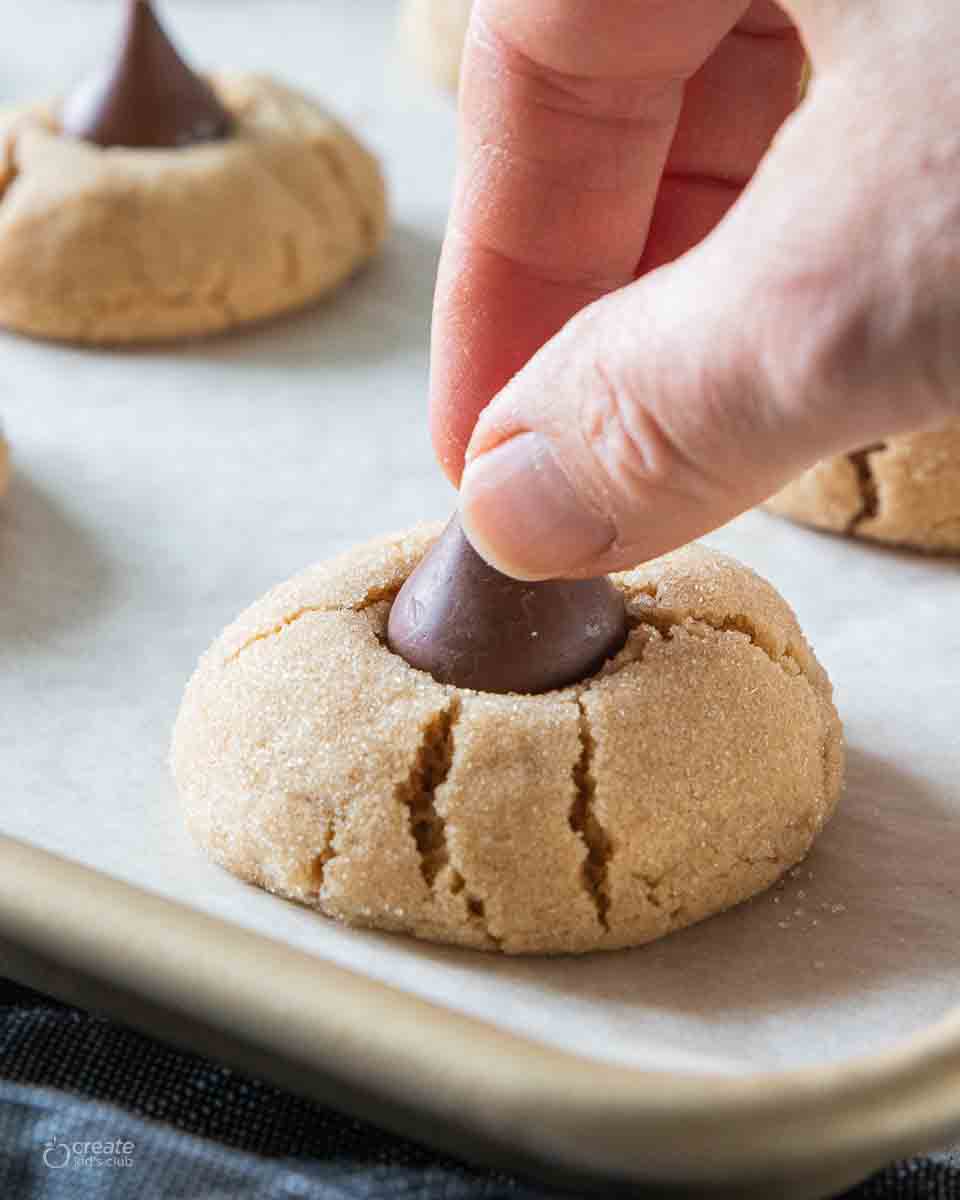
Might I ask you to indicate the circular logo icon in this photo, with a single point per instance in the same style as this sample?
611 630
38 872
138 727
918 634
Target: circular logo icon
56 1155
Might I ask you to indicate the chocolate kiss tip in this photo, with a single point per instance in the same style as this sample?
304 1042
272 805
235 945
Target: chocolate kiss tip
465 623
148 98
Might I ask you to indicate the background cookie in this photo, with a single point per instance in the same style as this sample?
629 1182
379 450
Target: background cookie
690 773
433 32
906 492
122 245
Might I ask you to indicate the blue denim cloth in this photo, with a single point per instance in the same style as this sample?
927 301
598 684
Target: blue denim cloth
91 1109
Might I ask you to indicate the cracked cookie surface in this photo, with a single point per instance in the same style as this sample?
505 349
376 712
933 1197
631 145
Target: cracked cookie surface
689 773
119 245
905 491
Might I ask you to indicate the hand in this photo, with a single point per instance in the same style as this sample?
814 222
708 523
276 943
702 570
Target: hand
708 305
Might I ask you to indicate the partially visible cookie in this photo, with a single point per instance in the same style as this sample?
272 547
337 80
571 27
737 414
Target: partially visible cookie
687 774
125 245
905 492
433 32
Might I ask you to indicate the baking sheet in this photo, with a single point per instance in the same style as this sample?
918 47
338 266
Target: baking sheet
159 492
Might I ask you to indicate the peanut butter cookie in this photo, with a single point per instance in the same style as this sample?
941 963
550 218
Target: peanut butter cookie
905 492
687 774
108 245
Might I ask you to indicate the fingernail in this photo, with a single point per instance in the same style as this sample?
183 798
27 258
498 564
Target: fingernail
522 514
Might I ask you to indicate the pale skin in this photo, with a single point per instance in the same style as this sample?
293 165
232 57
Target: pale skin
665 290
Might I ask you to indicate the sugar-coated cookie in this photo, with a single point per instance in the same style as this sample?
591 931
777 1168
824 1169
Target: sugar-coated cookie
107 245
905 492
689 773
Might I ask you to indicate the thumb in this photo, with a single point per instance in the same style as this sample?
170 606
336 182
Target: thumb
665 409
622 438
642 424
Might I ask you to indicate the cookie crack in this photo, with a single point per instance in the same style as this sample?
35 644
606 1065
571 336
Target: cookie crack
650 884
290 254
219 294
428 828
375 595
100 306
358 204
321 860
584 823
8 177
659 894
666 626
9 168
788 662
741 623
866 483
430 769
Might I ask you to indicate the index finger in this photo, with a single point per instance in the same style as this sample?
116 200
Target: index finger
567 112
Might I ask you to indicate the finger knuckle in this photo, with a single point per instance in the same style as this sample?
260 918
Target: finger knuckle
622 436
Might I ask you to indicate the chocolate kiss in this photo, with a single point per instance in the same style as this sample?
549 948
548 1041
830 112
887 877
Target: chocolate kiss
149 97
462 621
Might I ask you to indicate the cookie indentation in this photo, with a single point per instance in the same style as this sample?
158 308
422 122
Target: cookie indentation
583 821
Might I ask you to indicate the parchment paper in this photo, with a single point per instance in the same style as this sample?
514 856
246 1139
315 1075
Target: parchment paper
157 493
